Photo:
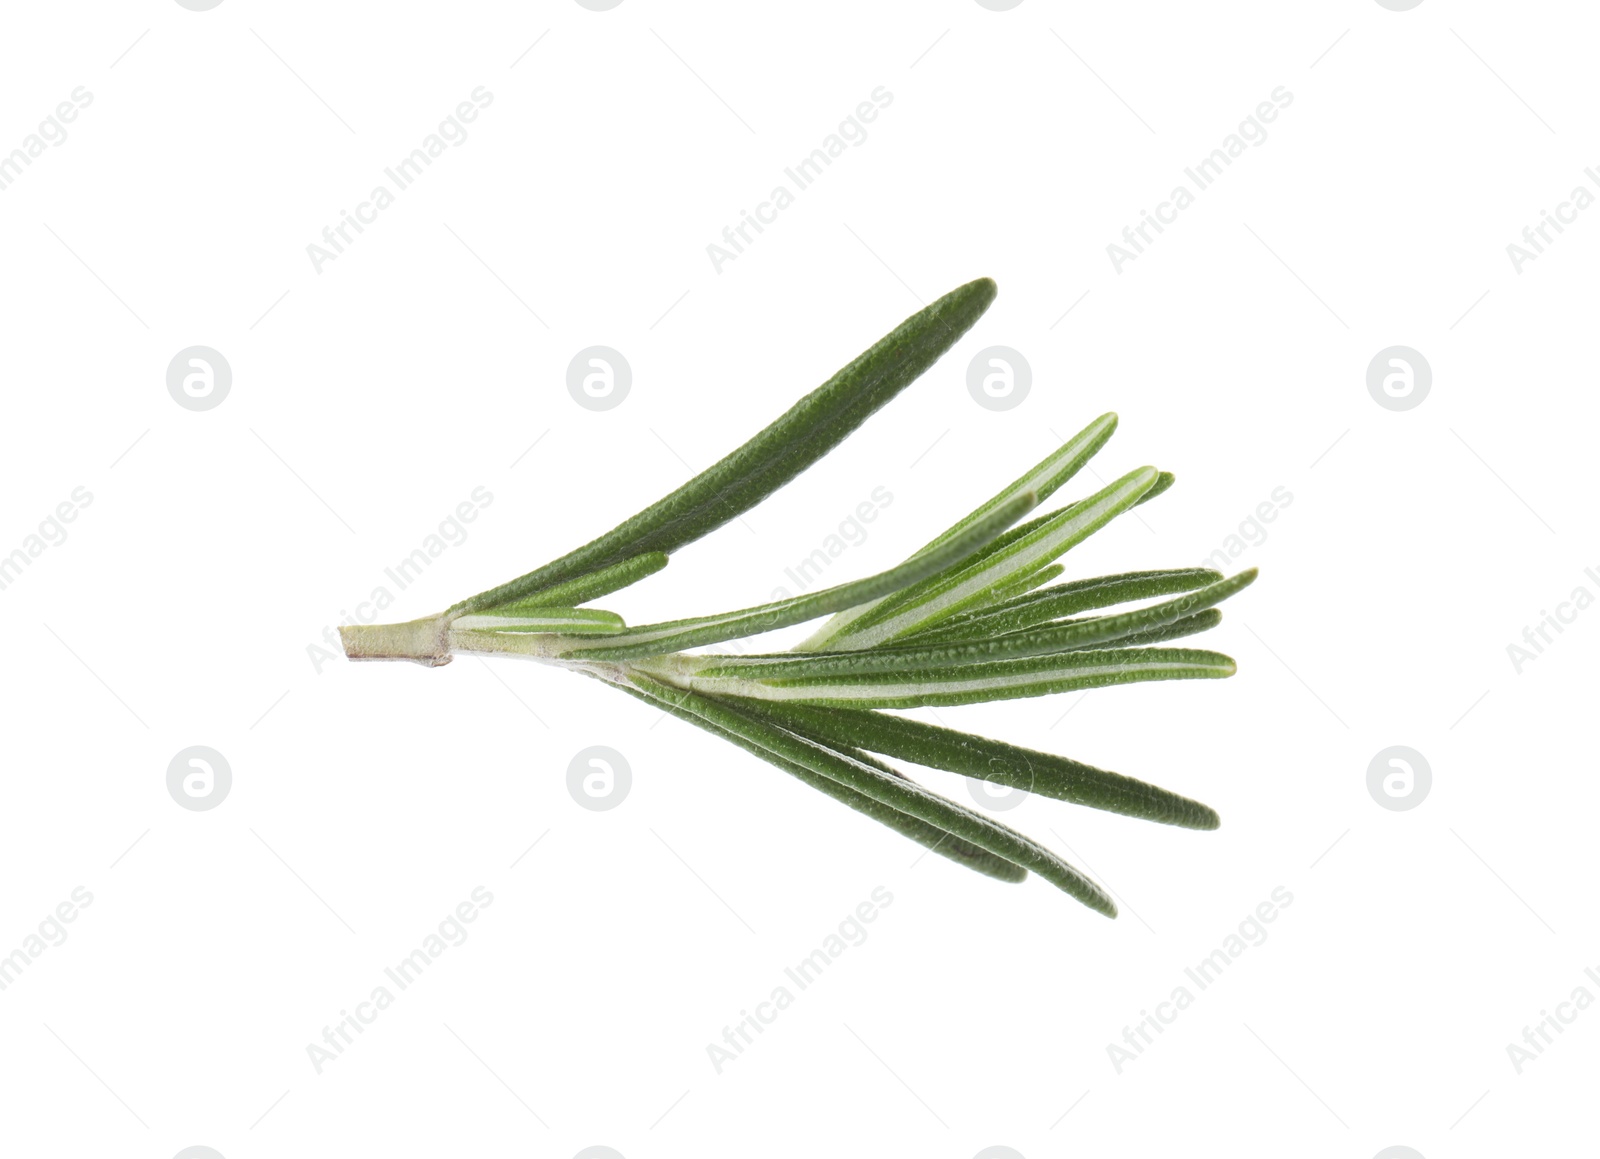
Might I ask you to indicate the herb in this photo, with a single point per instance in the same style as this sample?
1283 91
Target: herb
973 616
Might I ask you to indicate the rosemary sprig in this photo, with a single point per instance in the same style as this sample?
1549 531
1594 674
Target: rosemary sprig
974 615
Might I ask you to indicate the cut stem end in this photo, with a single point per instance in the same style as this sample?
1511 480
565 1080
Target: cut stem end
420 641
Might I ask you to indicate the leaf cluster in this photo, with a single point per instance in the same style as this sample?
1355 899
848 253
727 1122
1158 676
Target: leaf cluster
975 615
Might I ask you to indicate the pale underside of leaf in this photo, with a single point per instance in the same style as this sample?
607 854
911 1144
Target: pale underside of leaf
565 621
1043 480
943 596
1074 635
658 639
1027 609
971 684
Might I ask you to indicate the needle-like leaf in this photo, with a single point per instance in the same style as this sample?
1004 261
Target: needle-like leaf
990 760
972 616
1177 630
1065 600
588 587
567 621
901 793
658 639
1027 583
931 837
806 432
1069 637
965 684
1163 481
943 596
1043 480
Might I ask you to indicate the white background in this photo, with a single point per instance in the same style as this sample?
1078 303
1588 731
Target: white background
371 398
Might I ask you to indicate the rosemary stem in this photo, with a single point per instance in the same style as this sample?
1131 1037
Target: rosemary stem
423 641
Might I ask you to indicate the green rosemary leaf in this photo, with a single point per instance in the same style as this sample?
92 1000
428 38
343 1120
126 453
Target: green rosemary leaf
903 794
1188 626
1064 600
969 617
942 596
1074 635
588 587
660 639
969 684
1165 480
1019 585
567 621
1043 480
1012 588
1037 580
933 838
804 434
1047 476
991 760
